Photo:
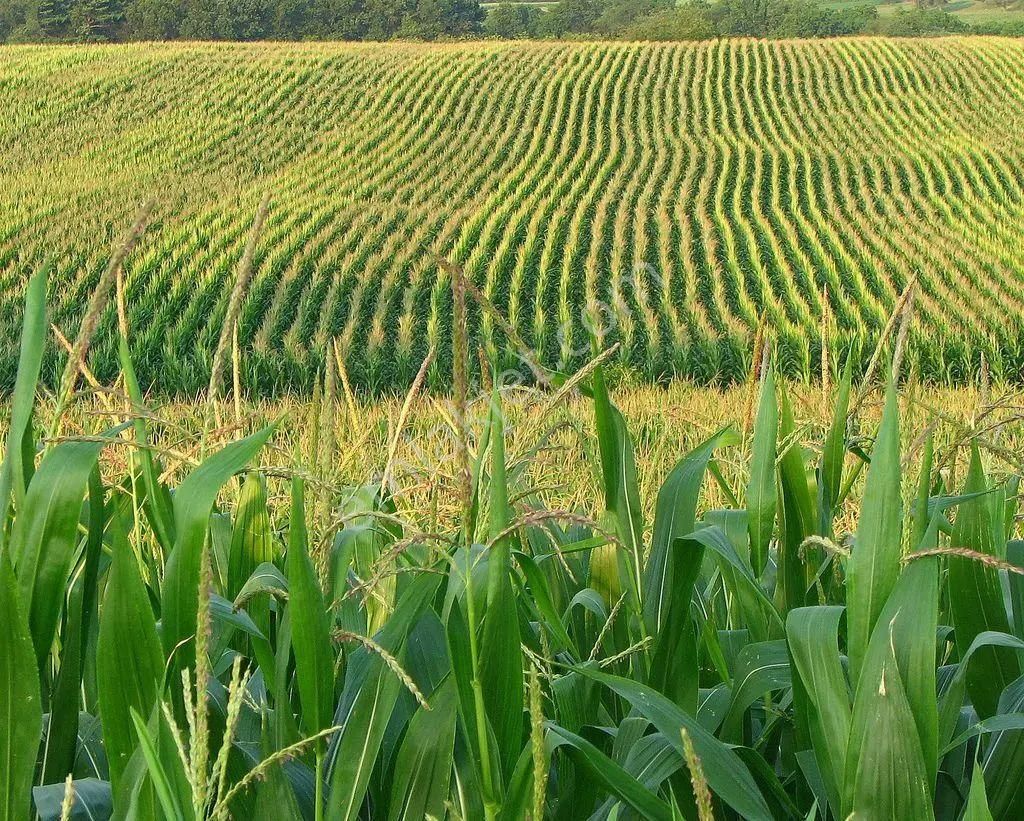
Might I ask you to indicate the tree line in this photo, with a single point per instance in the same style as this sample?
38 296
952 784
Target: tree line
702 20
126 20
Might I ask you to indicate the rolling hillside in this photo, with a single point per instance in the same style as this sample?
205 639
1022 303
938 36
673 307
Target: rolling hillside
669 196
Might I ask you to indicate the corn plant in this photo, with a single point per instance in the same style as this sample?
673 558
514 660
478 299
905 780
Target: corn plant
170 654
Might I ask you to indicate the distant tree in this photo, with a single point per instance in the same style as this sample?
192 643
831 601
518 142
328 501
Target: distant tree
748 18
290 19
619 15
691 21
384 18
512 21
153 19
54 18
430 19
571 17
337 19
19 22
96 20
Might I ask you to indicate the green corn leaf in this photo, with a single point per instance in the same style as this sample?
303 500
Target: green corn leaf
93 800
193 502
759 668
310 624
539 594
162 784
762 492
424 764
1003 760
834 452
15 470
953 696
674 516
457 635
251 540
15 473
874 564
158 503
129 659
265 579
977 802
909 623
727 775
610 775
813 634
501 659
45 536
885 769
748 589
798 519
367 702
976 597
62 728
618 469
922 515
20 703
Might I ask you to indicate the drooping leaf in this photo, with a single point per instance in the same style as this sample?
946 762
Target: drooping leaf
193 502
93 800
727 775
812 633
609 775
759 668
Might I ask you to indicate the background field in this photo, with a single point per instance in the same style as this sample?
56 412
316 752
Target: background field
670 196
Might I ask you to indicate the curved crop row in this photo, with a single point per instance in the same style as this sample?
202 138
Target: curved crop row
669 198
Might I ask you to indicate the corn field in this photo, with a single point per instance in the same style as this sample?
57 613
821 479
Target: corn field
191 650
669 198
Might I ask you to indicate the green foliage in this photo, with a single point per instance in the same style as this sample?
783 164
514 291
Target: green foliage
477 669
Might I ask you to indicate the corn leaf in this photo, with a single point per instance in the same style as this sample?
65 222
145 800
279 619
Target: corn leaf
129 660
310 625
501 660
976 598
874 563
193 502
727 775
812 634
20 703
424 764
762 492
15 471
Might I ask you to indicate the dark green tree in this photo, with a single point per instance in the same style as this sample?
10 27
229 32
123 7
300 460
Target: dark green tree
96 20
571 17
512 21
153 19
54 18
337 19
